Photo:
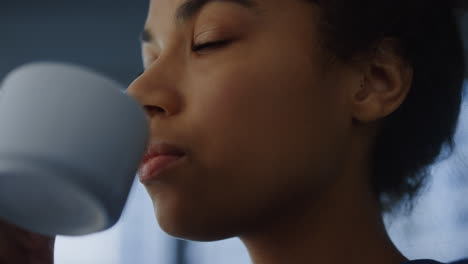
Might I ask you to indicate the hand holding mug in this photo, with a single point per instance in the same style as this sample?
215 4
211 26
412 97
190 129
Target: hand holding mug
20 246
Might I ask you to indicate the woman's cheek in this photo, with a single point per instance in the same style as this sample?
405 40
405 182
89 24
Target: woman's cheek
225 116
233 97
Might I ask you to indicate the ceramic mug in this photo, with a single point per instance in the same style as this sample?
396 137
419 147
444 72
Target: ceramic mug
71 141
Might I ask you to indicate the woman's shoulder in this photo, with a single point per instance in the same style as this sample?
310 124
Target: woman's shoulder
430 261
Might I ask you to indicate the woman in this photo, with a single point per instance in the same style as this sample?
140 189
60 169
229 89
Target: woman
295 124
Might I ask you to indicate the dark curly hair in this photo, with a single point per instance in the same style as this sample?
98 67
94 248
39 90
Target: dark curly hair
428 39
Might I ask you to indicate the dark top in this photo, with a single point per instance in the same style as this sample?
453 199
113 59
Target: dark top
429 261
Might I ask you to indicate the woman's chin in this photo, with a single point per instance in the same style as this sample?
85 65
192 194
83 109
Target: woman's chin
195 227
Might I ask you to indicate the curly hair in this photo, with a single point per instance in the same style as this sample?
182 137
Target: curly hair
428 39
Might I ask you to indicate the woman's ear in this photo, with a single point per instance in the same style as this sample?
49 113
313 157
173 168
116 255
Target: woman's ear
385 82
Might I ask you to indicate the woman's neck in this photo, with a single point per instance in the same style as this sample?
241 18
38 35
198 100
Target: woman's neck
341 225
333 232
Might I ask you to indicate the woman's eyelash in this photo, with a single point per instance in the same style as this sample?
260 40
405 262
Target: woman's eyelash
209 45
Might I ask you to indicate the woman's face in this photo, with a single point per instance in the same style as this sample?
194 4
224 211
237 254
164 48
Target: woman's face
260 111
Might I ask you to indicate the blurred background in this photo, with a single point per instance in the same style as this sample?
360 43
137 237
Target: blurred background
104 35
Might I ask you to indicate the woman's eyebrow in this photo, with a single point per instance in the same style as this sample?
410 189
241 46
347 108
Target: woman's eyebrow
190 8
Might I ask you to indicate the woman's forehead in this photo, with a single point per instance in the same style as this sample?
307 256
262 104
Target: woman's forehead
186 8
164 14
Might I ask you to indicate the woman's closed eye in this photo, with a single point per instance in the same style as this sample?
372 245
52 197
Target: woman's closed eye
205 46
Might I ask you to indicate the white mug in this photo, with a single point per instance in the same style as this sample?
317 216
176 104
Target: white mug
70 145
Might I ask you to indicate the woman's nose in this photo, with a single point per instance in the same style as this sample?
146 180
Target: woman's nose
158 94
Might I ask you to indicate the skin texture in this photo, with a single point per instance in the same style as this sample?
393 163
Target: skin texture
277 134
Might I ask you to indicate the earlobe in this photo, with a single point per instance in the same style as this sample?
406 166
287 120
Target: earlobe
383 86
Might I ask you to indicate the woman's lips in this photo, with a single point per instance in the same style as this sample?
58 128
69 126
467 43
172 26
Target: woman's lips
159 158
